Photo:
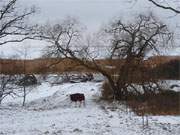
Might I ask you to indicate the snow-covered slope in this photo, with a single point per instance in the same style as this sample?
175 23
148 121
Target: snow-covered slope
50 112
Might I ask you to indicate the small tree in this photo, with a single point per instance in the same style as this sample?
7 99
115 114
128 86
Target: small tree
7 83
6 86
24 54
26 81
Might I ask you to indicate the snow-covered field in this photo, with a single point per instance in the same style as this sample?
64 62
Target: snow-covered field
49 111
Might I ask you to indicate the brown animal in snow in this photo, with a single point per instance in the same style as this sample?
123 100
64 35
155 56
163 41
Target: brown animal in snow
78 97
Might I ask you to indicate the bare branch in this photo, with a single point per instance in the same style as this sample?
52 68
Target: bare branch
13 25
165 7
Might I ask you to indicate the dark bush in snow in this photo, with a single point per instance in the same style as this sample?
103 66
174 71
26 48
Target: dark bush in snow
169 70
27 80
106 91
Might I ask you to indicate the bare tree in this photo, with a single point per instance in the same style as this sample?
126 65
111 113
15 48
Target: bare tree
7 82
61 36
23 53
129 45
13 25
7 86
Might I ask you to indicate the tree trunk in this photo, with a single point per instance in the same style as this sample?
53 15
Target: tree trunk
24 96
1 97
0 100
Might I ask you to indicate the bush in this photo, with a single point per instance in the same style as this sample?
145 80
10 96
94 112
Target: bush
28 80
107 93
166 102
170 70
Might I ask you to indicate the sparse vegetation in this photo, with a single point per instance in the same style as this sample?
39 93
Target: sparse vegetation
164 102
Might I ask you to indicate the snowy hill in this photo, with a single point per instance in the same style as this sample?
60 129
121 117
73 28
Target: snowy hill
49 112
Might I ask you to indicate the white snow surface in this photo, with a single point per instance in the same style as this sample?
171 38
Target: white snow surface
49 111
169 83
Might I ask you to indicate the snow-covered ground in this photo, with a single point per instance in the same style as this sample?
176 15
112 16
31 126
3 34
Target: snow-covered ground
172 85
49 111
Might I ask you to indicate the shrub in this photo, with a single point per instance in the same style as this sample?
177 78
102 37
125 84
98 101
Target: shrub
170 70
106 92
166 102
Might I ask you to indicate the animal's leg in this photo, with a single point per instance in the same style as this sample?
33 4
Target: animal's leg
79 103
84 103
71 103
76 103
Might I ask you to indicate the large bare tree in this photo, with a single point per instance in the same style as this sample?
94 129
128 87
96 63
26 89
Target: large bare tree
129 43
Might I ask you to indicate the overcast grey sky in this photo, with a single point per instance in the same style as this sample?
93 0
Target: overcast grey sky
90 12
94 13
